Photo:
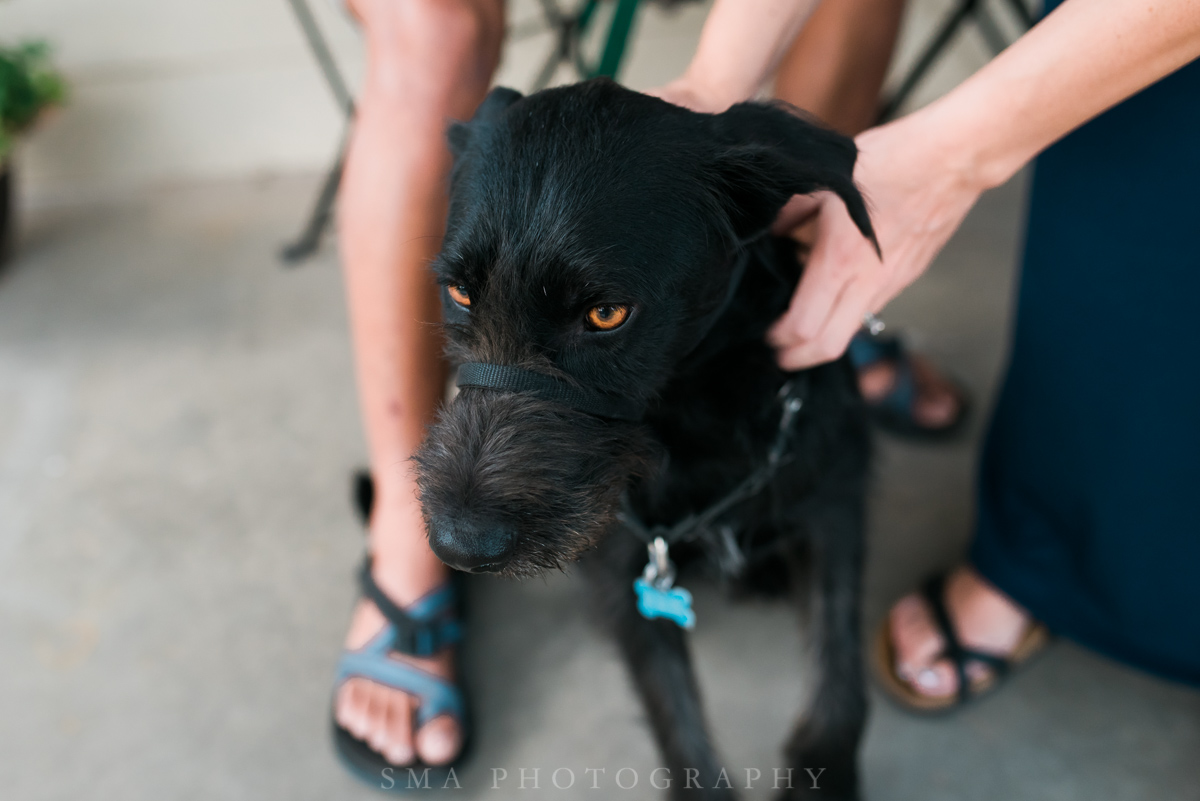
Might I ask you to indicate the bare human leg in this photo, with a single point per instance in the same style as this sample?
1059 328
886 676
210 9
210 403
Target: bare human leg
429 61
836 67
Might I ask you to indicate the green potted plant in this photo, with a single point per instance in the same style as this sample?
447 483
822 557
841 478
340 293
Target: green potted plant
28 85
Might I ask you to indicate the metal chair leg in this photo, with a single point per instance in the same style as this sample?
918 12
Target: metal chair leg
306 244
990 31
320 49
933 51
966 10
571 28
309 240
564 27
618 37
1023 13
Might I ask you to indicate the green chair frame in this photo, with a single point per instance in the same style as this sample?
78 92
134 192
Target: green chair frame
573 28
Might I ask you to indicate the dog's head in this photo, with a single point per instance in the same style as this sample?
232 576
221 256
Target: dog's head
592 236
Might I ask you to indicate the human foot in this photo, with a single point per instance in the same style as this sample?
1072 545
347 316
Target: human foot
387 718
905 393
983 619
419 719
936 404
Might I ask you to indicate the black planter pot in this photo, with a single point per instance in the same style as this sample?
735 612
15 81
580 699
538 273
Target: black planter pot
6 211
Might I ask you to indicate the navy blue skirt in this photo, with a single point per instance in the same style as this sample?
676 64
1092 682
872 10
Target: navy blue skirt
1089 487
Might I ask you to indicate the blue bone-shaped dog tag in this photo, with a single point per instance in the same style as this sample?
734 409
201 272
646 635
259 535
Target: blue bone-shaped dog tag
674 604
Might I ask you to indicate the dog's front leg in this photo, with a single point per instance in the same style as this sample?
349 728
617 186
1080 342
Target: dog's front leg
656 654
823 750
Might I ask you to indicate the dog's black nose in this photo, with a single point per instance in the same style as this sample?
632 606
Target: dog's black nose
472 546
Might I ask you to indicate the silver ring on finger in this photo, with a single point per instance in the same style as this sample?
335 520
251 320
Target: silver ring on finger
873 324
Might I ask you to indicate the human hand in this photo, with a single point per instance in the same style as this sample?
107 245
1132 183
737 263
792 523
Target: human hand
918 193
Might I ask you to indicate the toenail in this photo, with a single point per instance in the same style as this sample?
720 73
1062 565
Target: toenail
927 679
399 756
439 743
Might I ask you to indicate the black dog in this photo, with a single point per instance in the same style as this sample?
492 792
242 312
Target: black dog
608 282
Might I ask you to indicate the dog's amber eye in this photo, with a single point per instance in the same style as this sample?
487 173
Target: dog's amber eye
459 295
607 317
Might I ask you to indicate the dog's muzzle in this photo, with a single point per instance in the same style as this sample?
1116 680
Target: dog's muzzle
549 388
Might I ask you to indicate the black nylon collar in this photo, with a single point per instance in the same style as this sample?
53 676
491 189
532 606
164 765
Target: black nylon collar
598 404
547 387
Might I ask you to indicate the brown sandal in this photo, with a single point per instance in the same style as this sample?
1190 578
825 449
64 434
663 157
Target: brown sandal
1034 639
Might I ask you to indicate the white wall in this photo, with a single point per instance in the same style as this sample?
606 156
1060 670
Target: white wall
170 90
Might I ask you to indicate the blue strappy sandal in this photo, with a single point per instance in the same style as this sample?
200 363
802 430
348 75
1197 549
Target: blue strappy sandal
423 629
894 411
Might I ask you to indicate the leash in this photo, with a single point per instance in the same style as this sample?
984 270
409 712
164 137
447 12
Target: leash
656 593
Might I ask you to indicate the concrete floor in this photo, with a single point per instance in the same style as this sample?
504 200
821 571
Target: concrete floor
177 426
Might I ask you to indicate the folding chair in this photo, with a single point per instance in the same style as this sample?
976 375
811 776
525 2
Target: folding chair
570 32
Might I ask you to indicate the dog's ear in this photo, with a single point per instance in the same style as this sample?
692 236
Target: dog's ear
768 153
497 100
